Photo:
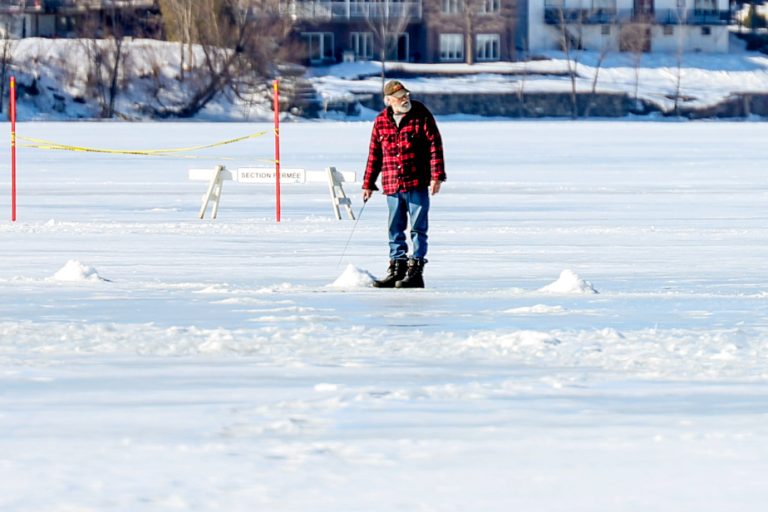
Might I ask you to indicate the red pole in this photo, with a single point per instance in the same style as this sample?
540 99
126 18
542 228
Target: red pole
13 148
276 108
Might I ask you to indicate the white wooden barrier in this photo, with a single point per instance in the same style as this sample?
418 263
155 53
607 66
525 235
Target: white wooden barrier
263 175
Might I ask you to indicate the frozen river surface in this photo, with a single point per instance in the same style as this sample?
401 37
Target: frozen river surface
152 361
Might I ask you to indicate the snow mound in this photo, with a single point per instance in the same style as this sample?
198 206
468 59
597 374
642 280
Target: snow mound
569 282
538 309
353 277
76 271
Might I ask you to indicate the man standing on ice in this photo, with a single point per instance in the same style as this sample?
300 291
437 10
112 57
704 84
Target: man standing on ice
407 150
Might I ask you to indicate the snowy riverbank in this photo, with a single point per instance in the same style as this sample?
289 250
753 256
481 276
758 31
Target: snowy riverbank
50 89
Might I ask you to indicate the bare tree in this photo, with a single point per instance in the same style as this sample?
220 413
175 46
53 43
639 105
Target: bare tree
218 35
520 91
471 10
6 60
607 45
635 39
521 85
509 17
103 41
179 26
268 40
387 21
571 29
238 42
679 53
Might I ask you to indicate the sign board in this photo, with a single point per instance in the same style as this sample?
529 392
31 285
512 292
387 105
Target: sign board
219 174
267 175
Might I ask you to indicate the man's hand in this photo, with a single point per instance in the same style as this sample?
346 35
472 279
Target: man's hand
367 193
434 186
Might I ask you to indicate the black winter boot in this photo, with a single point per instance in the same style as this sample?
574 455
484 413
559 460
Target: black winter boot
414 277
395 272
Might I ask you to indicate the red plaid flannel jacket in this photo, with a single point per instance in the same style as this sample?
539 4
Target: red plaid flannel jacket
407 157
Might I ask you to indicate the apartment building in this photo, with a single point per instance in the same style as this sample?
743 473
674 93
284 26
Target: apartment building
430 31
629 25
64 18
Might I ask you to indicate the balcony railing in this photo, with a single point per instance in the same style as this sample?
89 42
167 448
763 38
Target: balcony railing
556 15
55 6
99 4
351 9
692 17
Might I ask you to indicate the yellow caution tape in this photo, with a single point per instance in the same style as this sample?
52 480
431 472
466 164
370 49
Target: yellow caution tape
46 144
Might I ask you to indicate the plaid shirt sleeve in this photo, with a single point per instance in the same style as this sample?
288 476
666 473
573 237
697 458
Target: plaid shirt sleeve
436 161
408 157
373 167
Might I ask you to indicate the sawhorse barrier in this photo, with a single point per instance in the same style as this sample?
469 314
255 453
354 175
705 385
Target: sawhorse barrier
257 175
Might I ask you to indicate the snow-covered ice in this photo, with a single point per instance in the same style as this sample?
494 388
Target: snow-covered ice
218 370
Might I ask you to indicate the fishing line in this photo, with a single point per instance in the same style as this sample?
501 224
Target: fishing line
344 252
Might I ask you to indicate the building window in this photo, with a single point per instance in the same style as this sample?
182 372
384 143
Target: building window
669 30
361 43
319 46
451 6
398 47
488 47
451 47
705 5
604 5
605 30
490 6
706 31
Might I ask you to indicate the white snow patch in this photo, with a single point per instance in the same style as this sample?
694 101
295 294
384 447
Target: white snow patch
215 289
74 271
353 277
569 282
515 341
279 288
538 309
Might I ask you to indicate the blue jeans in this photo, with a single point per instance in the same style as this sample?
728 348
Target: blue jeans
413 204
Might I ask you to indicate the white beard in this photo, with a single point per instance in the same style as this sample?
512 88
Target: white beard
402 108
